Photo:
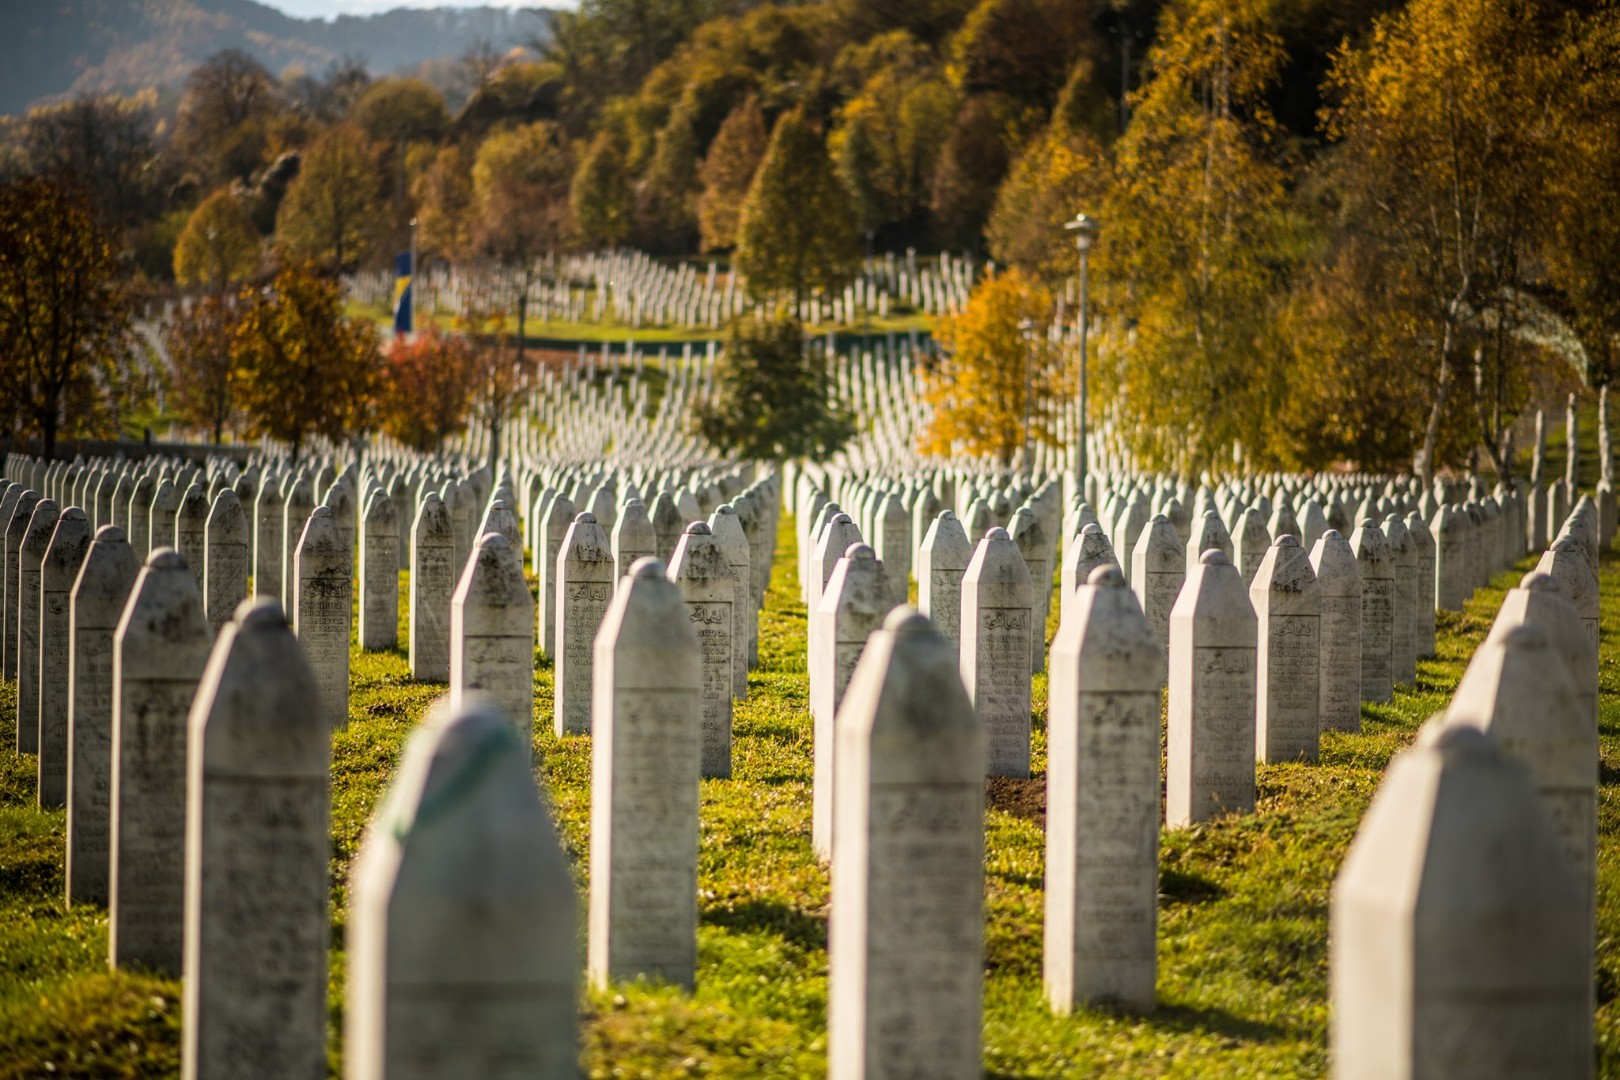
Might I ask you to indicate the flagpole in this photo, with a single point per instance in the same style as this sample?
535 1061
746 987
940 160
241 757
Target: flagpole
415 273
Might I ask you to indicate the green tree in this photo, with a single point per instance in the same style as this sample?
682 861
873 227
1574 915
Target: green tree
798 231
219 245
1058 174
728 172
330 212
600 196
771 401
998 382
302 368
397 113
66 330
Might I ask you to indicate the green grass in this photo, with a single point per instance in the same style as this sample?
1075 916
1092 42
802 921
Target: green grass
1243 910
616 332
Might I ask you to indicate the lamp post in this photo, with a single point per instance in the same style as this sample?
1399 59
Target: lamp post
1085 231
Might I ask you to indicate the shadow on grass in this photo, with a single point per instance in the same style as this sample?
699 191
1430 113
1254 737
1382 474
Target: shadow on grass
1185 887
801 930
1189 1019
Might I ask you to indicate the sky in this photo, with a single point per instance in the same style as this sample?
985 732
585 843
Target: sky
311 9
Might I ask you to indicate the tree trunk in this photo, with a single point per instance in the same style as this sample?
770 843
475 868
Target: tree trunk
1431 430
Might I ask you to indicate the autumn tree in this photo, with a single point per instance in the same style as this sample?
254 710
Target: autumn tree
600 195
889 133
1192 258
303 368
1441 121
666 196
997 384
798 232
428 382
444 204
329 215
219 245
202 374
728 172
498 374
66 333
972 162
1583 248
103 145
225 112
520 186
771 399
398 112
1061 172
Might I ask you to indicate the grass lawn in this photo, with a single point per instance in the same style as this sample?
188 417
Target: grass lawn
616 332
1243 903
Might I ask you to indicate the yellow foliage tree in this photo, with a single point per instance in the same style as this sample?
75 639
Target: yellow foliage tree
999 383
218 246
1194 253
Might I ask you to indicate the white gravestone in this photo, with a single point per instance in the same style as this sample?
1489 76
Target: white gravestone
257 845
379 574
942 559
555 522
1538 601
1029 535
1102 801
463 958
997 621
492 634
852 609
1518 690
100 592
296 509
728 533
60 569
433 580
16 530
646 763
1338 577
905 954
1159 570
1567 566
701 571
36 539
1423 630
1377 612
323 577
159 651
268 511
1456 942
1403 558
225 576
1287 603
633 539
190 532
1210 755
584 586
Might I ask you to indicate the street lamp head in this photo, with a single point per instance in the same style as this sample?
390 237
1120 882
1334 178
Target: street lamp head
1085 230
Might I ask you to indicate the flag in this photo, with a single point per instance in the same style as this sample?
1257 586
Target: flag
402 293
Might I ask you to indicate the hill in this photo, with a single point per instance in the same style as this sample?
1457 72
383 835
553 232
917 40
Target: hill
55 48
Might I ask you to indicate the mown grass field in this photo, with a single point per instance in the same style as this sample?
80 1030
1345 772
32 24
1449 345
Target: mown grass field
1243 906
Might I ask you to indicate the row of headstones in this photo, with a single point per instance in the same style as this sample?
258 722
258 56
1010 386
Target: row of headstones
1426 914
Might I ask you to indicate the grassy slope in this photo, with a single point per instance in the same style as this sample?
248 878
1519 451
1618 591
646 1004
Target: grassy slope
1243 959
